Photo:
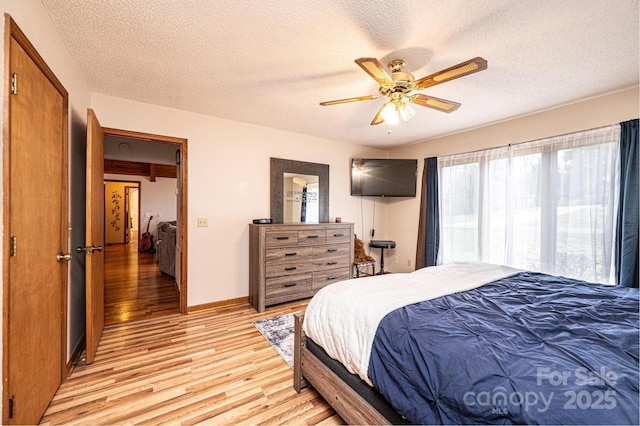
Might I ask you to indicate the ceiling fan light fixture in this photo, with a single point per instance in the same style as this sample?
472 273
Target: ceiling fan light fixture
398 86
390 113
406 112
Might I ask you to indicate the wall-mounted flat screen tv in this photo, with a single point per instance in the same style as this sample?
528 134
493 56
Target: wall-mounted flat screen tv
372 177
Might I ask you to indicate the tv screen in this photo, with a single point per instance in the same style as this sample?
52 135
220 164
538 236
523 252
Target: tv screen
372 177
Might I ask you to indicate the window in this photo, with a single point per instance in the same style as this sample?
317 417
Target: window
547 205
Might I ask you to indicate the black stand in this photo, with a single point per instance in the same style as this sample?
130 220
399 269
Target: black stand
382 244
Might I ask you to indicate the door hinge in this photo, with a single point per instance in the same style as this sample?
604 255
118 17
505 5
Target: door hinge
14 246
12 406
14 84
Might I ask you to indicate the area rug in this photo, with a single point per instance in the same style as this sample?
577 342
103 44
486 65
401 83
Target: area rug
279 333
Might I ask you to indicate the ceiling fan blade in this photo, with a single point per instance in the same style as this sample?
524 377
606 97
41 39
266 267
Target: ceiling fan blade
378 118
435 103
344 101
375 69
456 71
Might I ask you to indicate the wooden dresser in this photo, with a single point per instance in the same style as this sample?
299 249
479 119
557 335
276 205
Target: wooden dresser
293 261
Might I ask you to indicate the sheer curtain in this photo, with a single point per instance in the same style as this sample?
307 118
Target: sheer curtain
547 205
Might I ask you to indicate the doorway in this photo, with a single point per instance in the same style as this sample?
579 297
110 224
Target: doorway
138 285
121 200
132 213
152 172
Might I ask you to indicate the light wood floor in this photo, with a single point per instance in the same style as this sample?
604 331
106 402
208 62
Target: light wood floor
134 287
210 366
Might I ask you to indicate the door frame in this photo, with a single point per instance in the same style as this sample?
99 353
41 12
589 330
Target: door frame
181 143
127 211
13 31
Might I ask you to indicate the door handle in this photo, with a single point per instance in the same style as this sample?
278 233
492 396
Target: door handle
88 249
63 256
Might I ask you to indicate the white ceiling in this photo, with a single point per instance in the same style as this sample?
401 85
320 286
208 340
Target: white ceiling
144 151
270 62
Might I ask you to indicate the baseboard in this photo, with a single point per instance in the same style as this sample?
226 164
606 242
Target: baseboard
238 301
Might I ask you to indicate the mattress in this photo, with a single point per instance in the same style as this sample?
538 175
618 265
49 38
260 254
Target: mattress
502 346
343 317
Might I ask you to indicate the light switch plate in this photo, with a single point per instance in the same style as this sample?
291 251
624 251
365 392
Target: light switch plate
203 222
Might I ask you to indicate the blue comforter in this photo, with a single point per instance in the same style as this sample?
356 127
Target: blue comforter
527 349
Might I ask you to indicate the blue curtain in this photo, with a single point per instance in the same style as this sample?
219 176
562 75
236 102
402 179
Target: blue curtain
433 216
628 218
428 222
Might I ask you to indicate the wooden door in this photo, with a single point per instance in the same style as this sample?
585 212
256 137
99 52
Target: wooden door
94 272
35 224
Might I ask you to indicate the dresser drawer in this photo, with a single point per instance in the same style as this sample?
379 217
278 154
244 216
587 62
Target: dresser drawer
287 255
282 289
329 254
338 235
293 267
328 276
311 236
331 263
281 238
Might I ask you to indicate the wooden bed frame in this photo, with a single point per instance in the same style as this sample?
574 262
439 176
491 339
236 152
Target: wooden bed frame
309 370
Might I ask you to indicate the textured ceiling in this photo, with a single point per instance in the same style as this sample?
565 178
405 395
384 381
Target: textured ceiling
271 62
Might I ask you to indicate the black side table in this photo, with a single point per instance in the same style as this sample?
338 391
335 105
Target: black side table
382 244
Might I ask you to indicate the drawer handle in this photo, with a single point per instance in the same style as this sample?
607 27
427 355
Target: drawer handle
338 235
291 268
282 238
290 284
290 254
332 263
331 278
312 236
332 250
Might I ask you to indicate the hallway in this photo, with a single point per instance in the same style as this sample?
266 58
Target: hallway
134 287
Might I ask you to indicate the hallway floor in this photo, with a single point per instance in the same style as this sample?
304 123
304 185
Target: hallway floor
134 287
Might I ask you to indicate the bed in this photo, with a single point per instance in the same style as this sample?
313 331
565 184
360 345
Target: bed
472 343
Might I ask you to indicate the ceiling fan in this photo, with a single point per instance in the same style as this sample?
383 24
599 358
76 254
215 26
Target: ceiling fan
398 85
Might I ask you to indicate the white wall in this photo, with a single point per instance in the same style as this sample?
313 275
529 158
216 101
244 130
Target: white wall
402 217
228 183
159 200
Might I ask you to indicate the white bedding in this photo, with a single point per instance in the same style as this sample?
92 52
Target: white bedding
343 317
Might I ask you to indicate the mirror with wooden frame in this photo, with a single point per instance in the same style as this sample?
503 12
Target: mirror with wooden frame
299 191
